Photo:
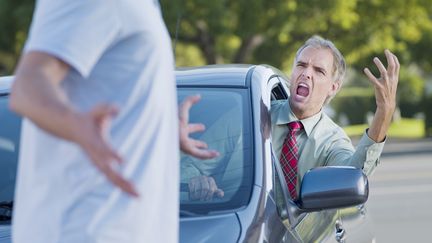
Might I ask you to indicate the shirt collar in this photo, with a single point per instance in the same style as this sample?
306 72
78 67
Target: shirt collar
286 116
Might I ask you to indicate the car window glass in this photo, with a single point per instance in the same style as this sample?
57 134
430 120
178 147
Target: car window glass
10 127
279 197
278 90
225 114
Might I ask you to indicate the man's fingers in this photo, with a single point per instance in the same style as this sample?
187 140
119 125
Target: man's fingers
103 158
102 151
380 67
391 66
371 77
118 180
104 110
204 184
102 116
199 144
204 154
196 127
397 64
116 157
192 189
220 193
213 188
185 107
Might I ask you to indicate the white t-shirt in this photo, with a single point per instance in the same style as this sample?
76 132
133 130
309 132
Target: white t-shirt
120 53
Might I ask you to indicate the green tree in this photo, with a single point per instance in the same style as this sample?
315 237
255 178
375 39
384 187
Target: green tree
260 31
15 17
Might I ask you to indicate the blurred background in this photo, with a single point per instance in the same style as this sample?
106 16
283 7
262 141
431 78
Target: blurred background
270 31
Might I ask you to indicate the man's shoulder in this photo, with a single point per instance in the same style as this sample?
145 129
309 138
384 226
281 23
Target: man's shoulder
327 126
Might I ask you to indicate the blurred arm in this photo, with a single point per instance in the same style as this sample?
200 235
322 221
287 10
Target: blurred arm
36 94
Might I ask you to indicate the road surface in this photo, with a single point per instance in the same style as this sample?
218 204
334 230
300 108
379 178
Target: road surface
400 199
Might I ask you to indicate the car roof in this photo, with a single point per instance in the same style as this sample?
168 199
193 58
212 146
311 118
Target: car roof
5 84
214 75
210 75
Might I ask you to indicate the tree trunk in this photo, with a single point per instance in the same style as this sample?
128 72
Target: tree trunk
247 47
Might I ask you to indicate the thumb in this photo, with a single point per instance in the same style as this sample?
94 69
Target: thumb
219 193
102 115
104 111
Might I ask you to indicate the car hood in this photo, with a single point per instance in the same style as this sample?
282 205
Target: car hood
5 234
219 228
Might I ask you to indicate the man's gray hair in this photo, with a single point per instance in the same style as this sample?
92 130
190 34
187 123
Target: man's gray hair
339 65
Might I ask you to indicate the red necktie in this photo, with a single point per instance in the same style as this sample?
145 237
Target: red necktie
289 158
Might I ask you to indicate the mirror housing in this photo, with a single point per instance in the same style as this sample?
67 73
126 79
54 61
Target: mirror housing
332 187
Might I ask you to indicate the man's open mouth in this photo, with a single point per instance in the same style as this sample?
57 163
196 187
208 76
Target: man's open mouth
302 90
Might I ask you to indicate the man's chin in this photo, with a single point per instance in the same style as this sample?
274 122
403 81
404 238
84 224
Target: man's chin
301 108
298 101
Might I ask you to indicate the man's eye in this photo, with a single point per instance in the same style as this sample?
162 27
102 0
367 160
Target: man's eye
322 72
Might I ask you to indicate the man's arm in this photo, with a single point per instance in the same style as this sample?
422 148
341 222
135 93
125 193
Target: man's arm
36 94
385 94
369 148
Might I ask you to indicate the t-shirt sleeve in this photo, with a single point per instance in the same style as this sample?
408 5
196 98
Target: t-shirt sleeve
77 32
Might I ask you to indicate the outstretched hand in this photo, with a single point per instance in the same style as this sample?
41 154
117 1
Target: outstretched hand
93 137
386 85
189 145
385 95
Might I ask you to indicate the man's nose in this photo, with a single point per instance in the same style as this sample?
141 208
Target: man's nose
307 73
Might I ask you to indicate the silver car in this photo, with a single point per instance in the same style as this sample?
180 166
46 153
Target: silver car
255 205
252 202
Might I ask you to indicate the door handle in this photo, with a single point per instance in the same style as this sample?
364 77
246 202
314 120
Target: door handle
362 209
339 232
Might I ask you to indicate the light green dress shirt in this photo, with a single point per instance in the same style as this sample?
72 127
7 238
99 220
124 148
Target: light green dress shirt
322 142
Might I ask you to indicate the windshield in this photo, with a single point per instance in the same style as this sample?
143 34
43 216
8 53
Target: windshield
10 127
225 112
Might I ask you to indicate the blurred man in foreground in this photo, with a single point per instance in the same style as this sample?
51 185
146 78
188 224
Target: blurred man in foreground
99 155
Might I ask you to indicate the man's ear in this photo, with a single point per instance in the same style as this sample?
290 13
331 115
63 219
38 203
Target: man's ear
334 88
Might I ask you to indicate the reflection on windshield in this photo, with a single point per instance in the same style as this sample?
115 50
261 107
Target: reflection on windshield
224 182
10 126
6 211
7 144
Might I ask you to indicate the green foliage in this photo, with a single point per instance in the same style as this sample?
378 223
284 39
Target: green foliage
270 31
354 103
410 91
405 128
15 17
427 108
188 55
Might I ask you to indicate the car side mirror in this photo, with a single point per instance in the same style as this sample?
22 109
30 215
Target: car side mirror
332 187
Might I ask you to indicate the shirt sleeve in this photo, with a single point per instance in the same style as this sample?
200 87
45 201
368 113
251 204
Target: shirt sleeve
365 156
368 153
77 32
